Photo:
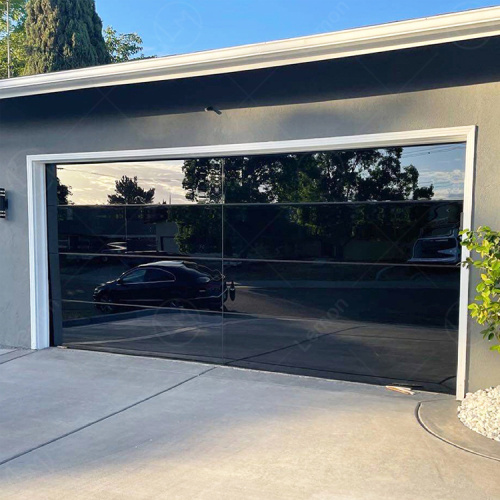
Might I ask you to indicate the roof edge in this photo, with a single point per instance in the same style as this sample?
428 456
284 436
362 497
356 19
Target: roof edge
400 35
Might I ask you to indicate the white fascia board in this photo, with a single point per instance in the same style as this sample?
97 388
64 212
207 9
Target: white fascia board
434 30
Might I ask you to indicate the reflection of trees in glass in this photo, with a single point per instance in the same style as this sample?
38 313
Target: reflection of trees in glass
199 229
203 180
378 230
395 226
63 193
257 232
320 177
128 192
366 175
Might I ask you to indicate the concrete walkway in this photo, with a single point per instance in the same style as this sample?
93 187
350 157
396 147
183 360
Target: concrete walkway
439 417
86 425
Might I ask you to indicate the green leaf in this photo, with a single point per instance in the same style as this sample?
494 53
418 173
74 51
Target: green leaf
486 309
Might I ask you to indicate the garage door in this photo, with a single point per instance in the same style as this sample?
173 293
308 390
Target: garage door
340 265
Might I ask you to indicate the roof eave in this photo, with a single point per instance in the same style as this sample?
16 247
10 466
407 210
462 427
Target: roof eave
447 28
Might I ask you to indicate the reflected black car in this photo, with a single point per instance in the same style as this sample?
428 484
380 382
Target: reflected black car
439 247
165 284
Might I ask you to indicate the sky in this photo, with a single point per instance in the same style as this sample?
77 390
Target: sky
442 166
179 26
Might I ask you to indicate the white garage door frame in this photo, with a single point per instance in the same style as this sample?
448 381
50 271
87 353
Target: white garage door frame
37 203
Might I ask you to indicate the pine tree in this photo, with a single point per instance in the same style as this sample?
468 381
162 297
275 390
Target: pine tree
128 192
63 34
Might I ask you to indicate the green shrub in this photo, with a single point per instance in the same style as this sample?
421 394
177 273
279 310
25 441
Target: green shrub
486 309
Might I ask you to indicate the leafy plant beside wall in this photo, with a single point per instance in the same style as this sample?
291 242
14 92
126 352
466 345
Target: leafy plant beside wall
486 309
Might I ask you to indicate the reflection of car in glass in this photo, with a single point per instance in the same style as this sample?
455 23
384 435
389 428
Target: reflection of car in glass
166 284
438 246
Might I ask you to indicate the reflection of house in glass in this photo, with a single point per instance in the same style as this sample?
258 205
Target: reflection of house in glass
166 233
389 232
103 229
160 229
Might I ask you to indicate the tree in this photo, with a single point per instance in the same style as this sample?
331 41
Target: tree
120 47
63 193
128 192
366 175
63 34
123 47
17 20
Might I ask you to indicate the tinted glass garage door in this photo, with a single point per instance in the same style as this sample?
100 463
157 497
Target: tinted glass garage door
341 265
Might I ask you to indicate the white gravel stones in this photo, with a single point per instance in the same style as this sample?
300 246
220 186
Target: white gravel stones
480 411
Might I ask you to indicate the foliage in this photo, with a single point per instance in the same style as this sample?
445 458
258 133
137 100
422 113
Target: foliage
199 230
128 192
320 177
486 308
334 176
17 38
63 193
17 11
120 47
123 47
62 35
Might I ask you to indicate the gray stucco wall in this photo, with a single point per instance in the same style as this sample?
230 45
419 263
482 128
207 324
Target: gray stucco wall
441 86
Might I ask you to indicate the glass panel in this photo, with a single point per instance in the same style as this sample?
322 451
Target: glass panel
374 323
146 230
171 332
411 173
423 172
92 279
108 305
174 182
193 231
91 229
401 232
337 264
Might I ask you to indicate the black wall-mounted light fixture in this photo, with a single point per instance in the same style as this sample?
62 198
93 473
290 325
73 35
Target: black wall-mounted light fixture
4 203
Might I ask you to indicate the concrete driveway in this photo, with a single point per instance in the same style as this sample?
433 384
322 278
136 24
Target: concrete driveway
76 424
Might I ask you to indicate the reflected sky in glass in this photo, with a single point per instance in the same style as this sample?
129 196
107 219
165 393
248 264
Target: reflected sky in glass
91 184
441 166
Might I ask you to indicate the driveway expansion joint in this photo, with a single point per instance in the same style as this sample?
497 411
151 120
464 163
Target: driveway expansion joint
13 357
102 419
